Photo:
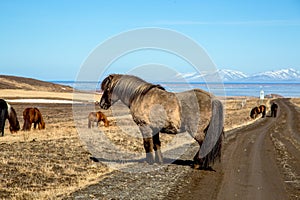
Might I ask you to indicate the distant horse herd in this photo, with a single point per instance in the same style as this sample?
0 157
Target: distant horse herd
34 116
155 111
262 110
30 115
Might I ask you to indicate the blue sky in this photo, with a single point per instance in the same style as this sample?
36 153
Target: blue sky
50 40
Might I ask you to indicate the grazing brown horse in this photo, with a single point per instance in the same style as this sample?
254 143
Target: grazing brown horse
97 117
257 110
8 112
32 115
156 110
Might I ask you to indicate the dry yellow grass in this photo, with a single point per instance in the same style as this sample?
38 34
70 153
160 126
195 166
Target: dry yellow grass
45 164
42 164
296 101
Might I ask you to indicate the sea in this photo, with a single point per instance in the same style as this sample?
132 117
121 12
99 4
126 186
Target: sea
286 89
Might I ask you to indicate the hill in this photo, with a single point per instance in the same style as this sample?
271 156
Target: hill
15 82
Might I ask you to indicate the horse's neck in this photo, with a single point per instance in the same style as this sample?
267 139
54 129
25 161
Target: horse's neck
124 98
125 95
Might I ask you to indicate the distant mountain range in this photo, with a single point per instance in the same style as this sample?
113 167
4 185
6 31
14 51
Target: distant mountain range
226 75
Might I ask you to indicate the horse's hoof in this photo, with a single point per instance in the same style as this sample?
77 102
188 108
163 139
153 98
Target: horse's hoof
150 162
159 162
196 166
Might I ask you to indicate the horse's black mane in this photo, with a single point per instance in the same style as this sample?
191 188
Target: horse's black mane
130 86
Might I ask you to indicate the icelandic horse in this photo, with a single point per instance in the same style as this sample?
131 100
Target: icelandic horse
258 110
32 115
156 111
8 112
97 117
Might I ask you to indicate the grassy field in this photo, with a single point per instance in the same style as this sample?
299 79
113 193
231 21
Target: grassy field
46 164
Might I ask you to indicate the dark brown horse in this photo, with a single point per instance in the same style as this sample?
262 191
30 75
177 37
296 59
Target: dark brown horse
97 117
155 110
8 112
258 110
32 115
274 108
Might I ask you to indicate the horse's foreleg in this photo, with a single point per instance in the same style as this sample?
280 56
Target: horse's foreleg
34 125
148 143
156 147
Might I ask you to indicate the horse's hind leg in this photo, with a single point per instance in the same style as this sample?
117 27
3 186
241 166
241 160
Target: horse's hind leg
39 126
148 143
199 137
156 147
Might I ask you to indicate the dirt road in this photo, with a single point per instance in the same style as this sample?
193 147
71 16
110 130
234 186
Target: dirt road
260 161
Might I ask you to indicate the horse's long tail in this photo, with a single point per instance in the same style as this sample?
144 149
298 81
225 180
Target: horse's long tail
3 113
212 144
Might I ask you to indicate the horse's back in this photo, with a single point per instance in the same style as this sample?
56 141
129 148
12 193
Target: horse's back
157 108
174 111
32 114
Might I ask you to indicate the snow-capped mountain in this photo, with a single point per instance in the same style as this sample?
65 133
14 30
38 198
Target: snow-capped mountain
228 75
279 75
223 74
231 75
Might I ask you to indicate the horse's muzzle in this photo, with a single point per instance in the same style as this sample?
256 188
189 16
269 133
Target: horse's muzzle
104 105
